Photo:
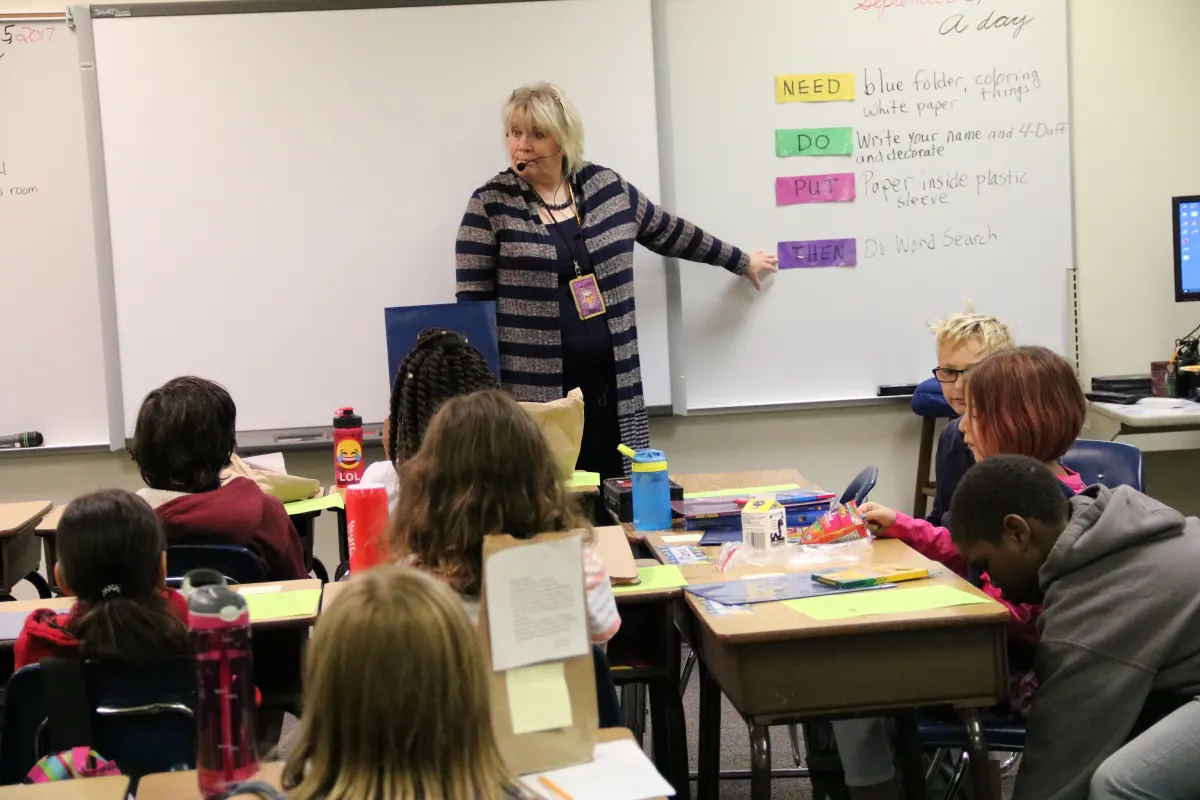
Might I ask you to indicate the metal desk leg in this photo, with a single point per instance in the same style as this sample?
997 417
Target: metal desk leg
709 760
908 746
760 762
981 781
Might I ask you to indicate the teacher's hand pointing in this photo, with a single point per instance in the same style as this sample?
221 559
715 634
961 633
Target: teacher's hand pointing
760 264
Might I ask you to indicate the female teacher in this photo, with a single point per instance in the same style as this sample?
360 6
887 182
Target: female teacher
550 240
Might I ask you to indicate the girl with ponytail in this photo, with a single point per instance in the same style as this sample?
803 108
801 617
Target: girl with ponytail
112 558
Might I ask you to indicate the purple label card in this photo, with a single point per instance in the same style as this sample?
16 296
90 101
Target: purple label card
835 188
818 253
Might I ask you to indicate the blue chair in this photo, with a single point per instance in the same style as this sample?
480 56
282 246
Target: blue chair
237 564
139 716
861 486
1111 464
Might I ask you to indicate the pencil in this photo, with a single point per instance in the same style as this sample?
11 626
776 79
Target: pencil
553 787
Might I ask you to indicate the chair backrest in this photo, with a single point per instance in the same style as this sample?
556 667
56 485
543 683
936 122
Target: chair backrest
142 717
861 486
1111 464
237 564
928 400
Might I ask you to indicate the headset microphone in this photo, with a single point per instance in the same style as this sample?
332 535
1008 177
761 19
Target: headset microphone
521 165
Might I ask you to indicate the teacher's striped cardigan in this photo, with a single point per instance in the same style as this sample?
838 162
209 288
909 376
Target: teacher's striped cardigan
506 254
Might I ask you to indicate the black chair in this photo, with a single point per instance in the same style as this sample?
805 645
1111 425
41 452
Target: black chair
1111 464
237 564
606 691
861 486
140 717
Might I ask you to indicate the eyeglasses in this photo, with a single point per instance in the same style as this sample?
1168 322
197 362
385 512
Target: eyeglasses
521 95
947 375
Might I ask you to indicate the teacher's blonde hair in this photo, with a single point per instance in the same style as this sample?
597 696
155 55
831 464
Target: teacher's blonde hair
544 108
396 699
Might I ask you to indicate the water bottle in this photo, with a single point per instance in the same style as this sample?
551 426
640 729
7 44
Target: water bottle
348 463
219 621
651 489
366 525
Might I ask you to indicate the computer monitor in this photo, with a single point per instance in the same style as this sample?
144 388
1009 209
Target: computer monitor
1185 218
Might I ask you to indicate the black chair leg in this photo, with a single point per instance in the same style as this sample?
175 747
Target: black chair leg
40 583
319 571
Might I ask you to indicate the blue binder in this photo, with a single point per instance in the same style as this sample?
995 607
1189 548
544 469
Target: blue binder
476 321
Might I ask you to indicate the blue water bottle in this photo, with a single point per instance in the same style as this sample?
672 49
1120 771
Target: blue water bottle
651 489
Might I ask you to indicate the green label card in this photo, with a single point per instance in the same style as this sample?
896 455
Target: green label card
814 142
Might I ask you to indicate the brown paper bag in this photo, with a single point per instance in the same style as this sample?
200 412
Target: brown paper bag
288 488
561 422
541 750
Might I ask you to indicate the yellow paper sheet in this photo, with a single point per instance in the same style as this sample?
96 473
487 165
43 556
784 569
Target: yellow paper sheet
579 478
814 88
896 601
666 576
538 698
315 504
281 605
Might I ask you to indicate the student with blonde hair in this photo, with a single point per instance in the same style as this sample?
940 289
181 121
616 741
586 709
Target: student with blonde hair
485 467
963 340
396 699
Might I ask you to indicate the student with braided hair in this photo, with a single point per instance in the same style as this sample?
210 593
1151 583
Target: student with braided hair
442 365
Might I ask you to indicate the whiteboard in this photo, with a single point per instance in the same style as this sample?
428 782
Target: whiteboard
54 378
838 333
275 180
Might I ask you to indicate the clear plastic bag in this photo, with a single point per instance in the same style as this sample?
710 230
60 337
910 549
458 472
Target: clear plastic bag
794 557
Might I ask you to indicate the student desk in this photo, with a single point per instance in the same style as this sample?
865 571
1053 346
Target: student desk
778 666
47 529
110 787
18 542
1146 419
183 785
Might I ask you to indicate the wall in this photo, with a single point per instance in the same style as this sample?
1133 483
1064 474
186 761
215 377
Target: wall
1132 98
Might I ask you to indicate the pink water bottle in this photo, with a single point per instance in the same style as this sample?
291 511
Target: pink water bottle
347 448
219 620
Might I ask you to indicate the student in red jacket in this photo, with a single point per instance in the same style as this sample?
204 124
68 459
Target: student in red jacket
112 557
183 439
1021 401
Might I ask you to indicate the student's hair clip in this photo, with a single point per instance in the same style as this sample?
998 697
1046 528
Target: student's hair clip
112 588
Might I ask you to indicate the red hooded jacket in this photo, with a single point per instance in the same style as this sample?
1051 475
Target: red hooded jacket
46 634
237 513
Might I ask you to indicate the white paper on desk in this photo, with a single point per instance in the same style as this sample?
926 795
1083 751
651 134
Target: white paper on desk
535 605
618 771
271 462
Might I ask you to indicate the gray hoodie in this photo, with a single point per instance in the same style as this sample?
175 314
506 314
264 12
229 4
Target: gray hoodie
1121 619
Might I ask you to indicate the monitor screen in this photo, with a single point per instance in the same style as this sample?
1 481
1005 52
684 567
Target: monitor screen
1186 223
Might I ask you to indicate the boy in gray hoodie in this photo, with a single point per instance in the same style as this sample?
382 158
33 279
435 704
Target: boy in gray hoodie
1116 573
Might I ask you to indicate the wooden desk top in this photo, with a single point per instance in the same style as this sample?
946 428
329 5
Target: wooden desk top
15 517
111 787
774 621
49 523
8 633
183 786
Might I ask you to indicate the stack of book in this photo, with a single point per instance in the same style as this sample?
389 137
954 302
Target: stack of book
721 518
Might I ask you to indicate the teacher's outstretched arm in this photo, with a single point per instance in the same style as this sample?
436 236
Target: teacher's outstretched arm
675 237
475 252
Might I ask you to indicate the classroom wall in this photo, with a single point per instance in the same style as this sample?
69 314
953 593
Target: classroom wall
1133 99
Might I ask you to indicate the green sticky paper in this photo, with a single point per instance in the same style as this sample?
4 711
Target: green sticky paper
895 601
333 500
814 142
750 490
281 605
665 576
583 479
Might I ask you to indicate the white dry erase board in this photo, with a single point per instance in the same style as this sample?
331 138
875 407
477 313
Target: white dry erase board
50 321
960 168
275 180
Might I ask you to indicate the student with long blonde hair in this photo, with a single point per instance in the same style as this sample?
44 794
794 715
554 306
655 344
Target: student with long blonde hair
396 700
485 467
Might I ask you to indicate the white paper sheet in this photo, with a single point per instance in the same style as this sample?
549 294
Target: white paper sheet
271 462
535 603
618 771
